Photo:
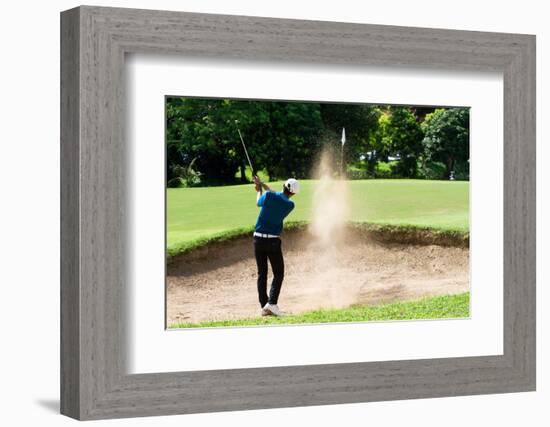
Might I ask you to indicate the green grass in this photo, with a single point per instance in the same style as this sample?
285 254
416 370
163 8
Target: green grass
441 307
185 246
198 215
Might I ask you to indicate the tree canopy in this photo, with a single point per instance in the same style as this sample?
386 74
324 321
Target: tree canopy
284 138
447 137
281 137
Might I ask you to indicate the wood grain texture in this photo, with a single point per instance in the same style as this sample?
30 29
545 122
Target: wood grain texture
69 153
94 271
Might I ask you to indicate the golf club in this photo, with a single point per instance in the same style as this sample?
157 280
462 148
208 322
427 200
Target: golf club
244 146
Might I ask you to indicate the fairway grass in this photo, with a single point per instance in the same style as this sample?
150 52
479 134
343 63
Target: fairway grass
440 307
197 215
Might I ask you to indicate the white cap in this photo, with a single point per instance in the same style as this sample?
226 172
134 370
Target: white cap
292 185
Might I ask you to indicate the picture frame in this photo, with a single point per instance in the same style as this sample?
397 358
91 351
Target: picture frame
94 42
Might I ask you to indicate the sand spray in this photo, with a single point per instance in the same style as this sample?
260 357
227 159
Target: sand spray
327 238
330 205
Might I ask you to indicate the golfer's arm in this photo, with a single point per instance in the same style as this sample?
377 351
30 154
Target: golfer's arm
266 187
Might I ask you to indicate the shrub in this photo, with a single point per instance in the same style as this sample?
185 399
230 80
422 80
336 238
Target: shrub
176 182
431 170
384 170
462 171
405 168
188 176
357 172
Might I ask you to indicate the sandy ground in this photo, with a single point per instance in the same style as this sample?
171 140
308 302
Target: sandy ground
219 282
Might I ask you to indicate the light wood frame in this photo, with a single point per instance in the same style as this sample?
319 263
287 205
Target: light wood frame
94 41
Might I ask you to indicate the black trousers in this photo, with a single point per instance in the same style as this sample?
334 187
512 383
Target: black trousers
269 249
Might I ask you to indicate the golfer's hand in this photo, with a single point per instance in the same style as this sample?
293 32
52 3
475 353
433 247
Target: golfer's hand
257 183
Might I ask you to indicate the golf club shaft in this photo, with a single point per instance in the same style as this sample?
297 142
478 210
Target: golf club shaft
245 151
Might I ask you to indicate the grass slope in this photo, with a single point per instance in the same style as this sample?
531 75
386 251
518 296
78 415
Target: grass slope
196 215
448 306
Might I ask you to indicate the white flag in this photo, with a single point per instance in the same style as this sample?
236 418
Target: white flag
343 136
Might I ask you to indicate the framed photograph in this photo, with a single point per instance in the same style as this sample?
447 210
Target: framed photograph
363 202
261 213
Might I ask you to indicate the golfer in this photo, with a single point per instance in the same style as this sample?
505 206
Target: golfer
275 207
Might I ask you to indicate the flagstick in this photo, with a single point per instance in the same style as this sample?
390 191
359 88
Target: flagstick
342 152
342 160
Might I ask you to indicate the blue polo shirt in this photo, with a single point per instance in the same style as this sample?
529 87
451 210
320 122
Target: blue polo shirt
275 207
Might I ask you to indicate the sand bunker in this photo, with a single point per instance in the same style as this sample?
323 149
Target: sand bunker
329 265
219 282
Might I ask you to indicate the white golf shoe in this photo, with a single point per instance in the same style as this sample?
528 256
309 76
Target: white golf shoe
272 309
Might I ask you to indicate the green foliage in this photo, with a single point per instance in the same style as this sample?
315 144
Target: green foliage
431 170
357 172
380 140
292 140
447 138
262 174
399 134
360 122
281 137
176 182
284 139
383 169
462 171
405 139
439 307
184 176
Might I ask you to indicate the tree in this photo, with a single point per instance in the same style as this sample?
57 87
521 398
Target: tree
447 137
281 137
404 138
360 121
202 129
421 112
293 139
